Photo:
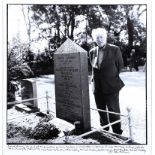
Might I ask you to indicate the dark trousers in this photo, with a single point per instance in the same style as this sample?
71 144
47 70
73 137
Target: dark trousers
110 102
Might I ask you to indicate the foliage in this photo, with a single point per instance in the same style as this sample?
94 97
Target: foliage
43 64
44 130
56 23
123 22
17 69
14 131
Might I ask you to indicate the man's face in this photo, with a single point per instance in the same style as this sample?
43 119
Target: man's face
101 40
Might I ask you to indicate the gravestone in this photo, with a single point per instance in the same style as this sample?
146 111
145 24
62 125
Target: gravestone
29 90
71 84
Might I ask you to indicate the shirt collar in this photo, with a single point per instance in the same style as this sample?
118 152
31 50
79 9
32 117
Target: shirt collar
103 47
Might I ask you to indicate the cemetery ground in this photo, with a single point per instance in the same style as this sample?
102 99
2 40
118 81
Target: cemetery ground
133 95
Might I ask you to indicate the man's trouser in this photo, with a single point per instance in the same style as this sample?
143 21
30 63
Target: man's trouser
110 102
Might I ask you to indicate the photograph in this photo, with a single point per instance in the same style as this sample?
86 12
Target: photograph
77 74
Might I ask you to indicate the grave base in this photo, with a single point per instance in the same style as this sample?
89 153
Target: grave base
22 107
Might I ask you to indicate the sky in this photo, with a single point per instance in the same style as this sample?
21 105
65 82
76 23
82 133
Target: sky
16 23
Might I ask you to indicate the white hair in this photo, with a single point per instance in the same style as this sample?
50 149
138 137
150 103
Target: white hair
99 32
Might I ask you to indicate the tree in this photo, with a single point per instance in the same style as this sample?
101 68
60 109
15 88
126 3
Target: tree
47 21
27 19
17 69
60 21
125 28
122 22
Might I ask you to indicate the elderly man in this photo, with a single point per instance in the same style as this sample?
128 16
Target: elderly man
107 62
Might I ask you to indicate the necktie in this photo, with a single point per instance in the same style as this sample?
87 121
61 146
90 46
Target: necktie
100 56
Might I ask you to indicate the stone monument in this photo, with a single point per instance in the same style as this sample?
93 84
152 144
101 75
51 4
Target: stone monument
71 84
29 90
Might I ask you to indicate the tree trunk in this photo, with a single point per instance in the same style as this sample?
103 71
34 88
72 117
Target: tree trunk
130 32
72 25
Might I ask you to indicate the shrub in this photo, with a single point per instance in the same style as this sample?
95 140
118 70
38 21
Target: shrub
44 130
13 130
17 69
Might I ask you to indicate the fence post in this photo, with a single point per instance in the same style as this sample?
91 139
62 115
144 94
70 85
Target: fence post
129 123
47 102
66 133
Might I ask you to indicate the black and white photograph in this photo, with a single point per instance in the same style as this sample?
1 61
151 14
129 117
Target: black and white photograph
77 74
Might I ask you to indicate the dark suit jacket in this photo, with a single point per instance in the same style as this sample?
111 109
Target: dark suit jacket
106 79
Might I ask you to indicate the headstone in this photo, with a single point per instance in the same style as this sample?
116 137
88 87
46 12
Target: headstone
29 90
71 84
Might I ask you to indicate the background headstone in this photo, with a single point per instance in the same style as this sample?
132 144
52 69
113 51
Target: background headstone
29 90
71 84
